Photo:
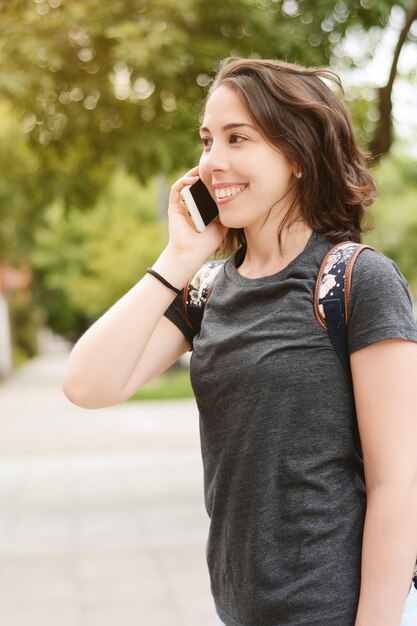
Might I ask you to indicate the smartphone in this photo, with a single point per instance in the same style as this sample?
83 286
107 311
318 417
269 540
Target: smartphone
200 205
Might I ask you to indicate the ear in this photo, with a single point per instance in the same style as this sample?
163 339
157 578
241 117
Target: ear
295 169
297 172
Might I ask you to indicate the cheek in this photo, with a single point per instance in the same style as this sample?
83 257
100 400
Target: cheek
279 173
202 171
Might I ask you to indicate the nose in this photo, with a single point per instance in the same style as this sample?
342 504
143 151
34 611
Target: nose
215 159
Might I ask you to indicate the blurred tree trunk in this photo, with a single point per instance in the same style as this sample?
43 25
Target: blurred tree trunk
5 338
383 137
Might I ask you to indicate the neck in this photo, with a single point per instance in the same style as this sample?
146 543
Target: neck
264 256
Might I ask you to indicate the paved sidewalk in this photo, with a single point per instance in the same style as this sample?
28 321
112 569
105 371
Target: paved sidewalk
102 521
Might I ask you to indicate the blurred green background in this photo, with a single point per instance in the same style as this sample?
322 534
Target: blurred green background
99 106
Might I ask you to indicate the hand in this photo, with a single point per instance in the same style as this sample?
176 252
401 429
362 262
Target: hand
183 238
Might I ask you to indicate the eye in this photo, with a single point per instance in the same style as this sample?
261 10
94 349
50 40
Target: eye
237 138
206 142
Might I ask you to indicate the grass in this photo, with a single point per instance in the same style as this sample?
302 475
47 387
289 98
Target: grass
171 385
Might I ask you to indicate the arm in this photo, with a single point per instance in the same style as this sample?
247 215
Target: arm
385 387
132 342
126 347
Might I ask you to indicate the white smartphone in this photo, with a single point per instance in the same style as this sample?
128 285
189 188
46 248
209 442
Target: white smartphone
200 205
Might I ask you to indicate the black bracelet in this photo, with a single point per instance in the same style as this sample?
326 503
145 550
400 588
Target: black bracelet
163 280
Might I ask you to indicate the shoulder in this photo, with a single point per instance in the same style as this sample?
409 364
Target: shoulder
374 265
380 305
197 293
186 311
201 284
377 278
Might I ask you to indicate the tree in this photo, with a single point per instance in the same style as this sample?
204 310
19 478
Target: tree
121 83
382 141
22 197
395 216
97 87
85 260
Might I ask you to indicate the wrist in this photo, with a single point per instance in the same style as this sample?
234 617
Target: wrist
177 268
163 281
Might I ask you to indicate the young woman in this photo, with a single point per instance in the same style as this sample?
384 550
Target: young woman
307 525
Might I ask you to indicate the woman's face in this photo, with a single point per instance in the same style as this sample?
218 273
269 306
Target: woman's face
246 176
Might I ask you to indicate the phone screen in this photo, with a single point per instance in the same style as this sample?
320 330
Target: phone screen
205 203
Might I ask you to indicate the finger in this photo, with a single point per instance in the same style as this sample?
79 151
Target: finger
193 171
183 182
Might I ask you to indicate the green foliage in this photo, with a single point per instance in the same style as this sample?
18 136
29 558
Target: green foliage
362 104
85 261
21 196
395 214
25 321
89 88
99 85
173 384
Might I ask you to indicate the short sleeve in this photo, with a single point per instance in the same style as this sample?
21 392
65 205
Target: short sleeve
176 314
380 305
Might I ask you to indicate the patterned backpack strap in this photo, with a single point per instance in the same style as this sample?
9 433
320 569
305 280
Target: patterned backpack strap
198 291
332 294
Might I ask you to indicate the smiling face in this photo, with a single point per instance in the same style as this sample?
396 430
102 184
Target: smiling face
248 178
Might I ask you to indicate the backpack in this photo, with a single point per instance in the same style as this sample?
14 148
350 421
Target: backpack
331 302
331 294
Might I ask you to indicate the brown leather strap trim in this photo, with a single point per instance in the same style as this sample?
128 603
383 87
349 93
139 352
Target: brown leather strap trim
184 302
348 276
319 317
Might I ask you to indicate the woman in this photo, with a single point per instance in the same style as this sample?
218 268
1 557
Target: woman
306 527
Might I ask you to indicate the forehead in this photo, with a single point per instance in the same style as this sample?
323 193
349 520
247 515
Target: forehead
223 106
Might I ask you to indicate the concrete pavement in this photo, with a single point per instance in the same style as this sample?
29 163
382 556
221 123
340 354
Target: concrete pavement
102 521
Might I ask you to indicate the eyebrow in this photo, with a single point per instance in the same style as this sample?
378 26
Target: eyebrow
204 129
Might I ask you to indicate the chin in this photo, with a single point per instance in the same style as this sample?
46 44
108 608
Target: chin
231 221
232 224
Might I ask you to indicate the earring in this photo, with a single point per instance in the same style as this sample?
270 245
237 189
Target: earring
299 175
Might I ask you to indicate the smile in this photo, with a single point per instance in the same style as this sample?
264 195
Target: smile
229 192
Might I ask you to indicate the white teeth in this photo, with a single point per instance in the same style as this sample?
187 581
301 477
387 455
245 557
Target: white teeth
226 192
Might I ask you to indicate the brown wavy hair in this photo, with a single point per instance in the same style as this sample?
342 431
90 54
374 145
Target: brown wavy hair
297 112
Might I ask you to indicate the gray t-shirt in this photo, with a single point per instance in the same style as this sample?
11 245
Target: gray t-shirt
283 471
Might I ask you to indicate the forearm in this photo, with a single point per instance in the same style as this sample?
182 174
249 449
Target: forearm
104 358
388 555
